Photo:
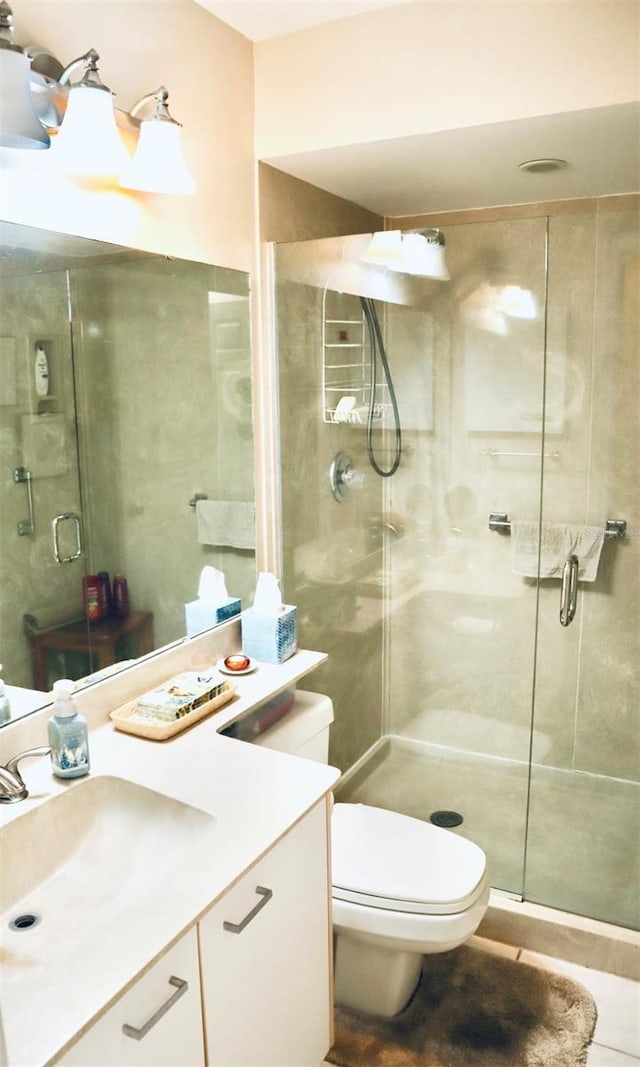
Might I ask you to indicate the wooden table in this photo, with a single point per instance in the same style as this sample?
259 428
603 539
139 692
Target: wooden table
89 647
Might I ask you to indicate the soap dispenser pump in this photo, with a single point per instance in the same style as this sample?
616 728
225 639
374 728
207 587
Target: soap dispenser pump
68 733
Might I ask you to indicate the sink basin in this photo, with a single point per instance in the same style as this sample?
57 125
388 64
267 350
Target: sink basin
93 881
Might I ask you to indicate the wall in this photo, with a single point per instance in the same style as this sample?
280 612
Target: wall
293 210
438 65
208 70
322 550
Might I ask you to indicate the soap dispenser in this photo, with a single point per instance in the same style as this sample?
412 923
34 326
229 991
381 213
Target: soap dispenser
68 734
5 707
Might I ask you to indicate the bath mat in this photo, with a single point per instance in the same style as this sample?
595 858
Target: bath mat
474 1009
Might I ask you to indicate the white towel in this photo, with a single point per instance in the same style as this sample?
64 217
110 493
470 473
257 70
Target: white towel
226 523
558 541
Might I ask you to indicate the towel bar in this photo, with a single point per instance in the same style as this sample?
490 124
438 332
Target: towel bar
501 523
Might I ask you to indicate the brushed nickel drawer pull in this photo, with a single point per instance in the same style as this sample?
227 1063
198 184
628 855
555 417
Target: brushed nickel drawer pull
237 928
137 1033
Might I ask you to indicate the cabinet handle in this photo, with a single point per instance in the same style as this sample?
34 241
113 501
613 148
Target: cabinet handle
139 1032
237 928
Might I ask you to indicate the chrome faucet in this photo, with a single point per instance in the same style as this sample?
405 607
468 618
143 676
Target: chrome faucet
12 787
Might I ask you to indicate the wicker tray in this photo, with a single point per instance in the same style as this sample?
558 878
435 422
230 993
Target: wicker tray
125 717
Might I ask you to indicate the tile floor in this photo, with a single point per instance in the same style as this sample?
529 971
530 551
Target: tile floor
616 1042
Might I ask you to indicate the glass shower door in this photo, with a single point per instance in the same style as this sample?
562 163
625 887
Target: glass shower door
461 624
584 822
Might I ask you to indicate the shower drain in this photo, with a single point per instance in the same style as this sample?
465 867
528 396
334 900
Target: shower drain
24 922
446 818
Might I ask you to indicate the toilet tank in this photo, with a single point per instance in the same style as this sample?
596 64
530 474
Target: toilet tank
304 730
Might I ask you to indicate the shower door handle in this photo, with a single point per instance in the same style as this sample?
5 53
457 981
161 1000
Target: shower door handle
569 590
67 516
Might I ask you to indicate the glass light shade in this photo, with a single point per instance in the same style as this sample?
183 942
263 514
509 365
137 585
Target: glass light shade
88 143
422 258
385 249
158 165
19 124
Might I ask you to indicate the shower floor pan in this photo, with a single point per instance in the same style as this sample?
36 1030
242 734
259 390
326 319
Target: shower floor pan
580 839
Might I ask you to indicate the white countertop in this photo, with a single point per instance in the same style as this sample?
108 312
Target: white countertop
255 795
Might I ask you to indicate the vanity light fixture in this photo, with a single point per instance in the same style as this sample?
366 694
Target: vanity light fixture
418 254
88 143
158 165
40 107
19 123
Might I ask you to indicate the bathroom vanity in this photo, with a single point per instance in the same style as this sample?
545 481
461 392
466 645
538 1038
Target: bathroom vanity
182 889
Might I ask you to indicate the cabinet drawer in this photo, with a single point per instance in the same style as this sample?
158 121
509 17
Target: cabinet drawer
165 1013
265 958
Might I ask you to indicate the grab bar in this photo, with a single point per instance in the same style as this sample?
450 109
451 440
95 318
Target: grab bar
613 528
25 527
569 590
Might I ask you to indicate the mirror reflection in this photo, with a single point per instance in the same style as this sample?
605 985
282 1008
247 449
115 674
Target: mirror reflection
126 446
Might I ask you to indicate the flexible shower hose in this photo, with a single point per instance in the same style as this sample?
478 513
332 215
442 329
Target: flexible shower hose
376 344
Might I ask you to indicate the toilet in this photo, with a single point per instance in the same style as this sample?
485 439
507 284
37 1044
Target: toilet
402 888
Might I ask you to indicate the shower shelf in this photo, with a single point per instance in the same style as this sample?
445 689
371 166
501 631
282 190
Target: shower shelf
346 371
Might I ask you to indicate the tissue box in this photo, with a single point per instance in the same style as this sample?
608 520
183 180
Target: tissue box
270 638
201 616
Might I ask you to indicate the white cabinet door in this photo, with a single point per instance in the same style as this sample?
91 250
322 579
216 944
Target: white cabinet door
162 1015
266 960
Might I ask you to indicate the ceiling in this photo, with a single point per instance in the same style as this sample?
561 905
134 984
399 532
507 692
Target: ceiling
478 166
452 169
261 19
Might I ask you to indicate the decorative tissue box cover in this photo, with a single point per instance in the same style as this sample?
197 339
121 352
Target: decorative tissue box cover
270 639
201 616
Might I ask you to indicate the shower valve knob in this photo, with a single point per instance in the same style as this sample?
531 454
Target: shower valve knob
343 476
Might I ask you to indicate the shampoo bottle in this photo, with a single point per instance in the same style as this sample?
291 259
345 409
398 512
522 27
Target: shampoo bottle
68 734
5 707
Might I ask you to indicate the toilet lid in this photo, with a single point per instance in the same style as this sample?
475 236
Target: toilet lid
392 861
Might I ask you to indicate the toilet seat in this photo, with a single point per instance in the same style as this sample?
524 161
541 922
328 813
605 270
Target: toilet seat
385 860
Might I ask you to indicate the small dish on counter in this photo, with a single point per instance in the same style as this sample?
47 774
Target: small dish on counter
237 663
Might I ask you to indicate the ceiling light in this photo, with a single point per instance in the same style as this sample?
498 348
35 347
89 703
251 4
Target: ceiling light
542 166
158 165
19 124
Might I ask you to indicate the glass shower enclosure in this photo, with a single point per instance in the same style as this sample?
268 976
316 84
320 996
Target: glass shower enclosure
458 693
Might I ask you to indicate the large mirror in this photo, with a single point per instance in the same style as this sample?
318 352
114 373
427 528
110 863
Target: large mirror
126 447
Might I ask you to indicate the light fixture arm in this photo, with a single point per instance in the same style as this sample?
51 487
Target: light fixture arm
6 28
433 236
90 77
160 111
